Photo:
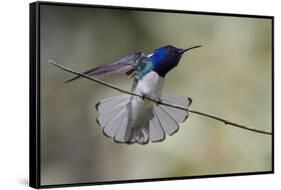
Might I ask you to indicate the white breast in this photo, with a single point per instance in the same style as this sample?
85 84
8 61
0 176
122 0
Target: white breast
142 110
151 85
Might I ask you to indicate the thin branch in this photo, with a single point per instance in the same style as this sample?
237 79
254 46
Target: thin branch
157 101
226 122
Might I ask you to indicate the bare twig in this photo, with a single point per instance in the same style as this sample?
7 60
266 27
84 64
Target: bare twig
157 101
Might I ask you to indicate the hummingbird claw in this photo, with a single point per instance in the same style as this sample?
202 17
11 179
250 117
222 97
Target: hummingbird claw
159 101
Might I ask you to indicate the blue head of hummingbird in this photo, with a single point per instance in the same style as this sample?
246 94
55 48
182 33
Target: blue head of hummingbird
166 58
131 119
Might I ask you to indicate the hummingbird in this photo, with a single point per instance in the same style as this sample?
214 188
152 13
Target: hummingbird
131 119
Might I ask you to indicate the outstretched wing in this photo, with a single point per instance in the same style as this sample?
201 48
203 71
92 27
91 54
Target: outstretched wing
127 64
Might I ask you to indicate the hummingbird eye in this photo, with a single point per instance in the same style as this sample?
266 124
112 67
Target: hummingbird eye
172 53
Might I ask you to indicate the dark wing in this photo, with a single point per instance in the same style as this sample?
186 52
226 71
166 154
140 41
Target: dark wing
126 64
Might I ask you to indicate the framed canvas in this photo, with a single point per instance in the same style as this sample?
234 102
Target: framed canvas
120 94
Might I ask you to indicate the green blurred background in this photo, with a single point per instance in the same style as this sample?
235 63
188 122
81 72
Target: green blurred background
230 76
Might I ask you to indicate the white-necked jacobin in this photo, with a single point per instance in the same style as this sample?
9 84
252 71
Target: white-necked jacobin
131 119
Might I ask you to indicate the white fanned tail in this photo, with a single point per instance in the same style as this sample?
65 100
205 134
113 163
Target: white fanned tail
116 118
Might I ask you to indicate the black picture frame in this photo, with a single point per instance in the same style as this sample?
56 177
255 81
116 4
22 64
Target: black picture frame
35 94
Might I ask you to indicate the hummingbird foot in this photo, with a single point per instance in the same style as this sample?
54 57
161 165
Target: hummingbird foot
159 101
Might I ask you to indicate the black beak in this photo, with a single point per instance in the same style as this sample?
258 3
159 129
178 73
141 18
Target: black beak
181 51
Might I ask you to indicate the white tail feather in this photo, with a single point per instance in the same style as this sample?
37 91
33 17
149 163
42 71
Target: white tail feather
177 114
168 123
114 116
156 130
